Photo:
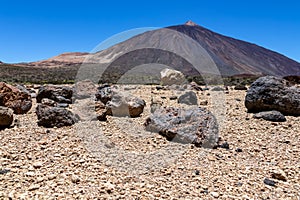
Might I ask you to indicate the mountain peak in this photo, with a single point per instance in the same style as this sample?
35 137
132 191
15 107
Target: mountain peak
191 23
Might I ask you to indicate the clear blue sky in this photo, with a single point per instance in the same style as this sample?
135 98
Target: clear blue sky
35 30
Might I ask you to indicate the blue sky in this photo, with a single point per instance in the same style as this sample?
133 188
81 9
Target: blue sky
35 30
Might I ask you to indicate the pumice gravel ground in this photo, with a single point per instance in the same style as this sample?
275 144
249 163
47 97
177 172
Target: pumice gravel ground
118 159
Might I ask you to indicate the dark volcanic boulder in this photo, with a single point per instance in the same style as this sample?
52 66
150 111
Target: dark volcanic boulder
272 93
125 105
189 98
60 94
6 116
104 93
196 125
273 116
53 116
17 99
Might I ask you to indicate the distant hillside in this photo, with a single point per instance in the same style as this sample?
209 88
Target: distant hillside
165 47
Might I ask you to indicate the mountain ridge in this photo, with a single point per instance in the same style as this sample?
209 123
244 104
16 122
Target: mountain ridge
168 46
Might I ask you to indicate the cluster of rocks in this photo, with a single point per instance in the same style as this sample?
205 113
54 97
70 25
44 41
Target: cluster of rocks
52 106
16 98
271 98
268 97
110 101
13 100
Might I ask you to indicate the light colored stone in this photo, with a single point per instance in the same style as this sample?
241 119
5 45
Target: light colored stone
37 164
215 194
279 175
171 77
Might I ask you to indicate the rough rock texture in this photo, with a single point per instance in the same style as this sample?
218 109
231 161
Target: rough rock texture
54 117
272 93
171 77
6 116
60 94
17 99
125 105
197 126
104 93
189 98
49 102
273 116
85 89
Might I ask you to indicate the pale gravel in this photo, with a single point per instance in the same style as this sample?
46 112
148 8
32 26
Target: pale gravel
77 163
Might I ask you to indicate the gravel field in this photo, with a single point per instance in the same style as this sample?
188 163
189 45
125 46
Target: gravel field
118 159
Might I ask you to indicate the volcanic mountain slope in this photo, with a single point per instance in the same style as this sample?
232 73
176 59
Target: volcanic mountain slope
174 46
186 48
234 56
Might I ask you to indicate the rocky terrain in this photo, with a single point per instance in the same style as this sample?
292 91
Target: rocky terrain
115 157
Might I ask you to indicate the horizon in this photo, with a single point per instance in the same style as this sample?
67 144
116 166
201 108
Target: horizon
36 31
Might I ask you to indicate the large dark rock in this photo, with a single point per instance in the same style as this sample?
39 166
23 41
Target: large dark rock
189 98
6 116
195 125
49 116
125 105
273 116
18 99
60 94
273 93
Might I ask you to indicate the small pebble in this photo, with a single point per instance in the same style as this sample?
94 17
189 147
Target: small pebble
225 145
269 182
214 194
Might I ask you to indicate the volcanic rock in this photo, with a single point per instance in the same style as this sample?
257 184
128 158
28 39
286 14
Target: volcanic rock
54 117
104 93
273 93
125 105
195 125
273 116
60 94
6 116
189 98
49 102
18 99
